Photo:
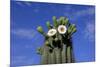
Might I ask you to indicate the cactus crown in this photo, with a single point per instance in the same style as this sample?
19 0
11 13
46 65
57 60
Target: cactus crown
57 40
61 25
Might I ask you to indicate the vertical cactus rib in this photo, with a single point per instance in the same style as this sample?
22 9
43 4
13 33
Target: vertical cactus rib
69 54
45 55
73 58
53 57
58 55
49 58
64 54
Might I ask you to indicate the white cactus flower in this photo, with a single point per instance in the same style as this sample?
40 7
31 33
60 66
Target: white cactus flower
62 29
51 32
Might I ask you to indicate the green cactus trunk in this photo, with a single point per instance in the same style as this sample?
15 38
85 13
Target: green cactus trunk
57 55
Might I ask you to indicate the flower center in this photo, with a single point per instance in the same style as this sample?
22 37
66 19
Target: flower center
51 32
62 29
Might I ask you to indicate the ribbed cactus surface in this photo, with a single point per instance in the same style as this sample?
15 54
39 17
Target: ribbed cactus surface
58 42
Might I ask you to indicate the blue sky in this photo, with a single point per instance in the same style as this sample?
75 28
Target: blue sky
26 16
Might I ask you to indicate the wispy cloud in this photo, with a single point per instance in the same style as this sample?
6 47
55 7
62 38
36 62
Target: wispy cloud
22 61
90 31
81 13
36 10
68 9
20 3
25 33
89 11
28 3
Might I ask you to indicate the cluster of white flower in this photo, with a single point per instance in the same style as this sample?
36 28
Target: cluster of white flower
61 29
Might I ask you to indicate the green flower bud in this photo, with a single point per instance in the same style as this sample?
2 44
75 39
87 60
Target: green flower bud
66 21
54 18
55 21
69 29
73 31
48 25
40 29
73 26
46 42
61 20
56 39
39 51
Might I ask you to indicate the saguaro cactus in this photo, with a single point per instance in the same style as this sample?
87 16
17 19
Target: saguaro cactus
58 42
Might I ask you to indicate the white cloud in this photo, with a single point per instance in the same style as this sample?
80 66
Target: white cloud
25 33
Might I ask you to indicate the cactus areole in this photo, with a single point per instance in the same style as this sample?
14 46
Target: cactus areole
58 42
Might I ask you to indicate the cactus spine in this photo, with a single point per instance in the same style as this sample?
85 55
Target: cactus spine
58 42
